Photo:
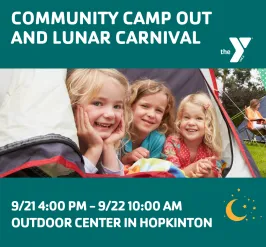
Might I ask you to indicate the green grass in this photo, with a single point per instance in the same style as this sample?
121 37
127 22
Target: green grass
258 152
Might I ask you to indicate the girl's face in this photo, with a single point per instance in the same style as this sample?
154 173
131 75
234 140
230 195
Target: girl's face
257 107
192 126
148 113
106 110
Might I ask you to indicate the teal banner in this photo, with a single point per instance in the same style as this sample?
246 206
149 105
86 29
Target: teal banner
132 34
132 212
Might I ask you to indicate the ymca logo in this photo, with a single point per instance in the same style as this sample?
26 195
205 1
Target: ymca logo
239 45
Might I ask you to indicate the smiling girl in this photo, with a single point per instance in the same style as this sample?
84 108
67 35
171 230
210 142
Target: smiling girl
153 108
98 98
197 146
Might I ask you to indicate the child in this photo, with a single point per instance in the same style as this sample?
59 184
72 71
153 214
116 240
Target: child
153 108
197 145
98 98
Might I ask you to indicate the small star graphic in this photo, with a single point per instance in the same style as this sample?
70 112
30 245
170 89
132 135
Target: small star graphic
254 208
238 189
253 218
248 199
245 206
232 195
253 200
246 219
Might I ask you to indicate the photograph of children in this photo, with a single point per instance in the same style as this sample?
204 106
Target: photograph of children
120 123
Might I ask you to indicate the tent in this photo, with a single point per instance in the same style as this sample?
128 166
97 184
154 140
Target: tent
38 134
243 131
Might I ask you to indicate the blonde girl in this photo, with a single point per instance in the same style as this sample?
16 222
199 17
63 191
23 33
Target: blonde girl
153 108
196 147
98 98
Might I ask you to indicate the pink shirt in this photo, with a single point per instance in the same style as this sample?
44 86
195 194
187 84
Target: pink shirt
178 153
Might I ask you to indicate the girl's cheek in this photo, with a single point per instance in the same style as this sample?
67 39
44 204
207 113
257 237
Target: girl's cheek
161 118
119 115
91 122
134 111
89 109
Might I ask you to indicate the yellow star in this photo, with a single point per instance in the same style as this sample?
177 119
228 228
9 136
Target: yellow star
246 219
253 200
254 208
232 195
248 199
245 206
238 189
253 218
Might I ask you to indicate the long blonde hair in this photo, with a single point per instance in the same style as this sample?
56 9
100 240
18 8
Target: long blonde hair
212 138
146 87
83 85
254 103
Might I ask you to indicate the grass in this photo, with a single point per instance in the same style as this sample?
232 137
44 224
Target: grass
258 152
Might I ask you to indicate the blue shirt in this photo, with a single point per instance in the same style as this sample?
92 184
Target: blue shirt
154 143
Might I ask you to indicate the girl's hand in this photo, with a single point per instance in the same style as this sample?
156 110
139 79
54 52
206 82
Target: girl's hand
203 167
135 155
88 137
198 169
117 135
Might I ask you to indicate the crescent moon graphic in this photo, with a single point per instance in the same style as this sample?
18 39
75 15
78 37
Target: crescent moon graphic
230 213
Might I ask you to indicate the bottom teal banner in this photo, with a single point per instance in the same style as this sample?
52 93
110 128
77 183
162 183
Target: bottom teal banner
132 212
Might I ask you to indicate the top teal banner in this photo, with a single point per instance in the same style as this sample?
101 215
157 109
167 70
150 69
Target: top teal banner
132 34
